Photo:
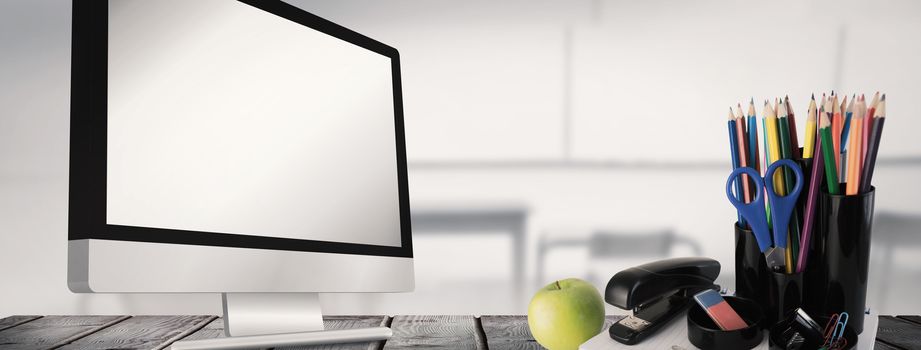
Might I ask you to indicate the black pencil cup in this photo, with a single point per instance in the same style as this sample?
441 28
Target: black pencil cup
784 295
751 268
777 293
842 253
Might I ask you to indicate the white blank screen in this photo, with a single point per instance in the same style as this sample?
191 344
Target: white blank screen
225 118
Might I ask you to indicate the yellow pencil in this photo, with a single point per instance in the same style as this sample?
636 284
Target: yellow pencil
774 143
809 147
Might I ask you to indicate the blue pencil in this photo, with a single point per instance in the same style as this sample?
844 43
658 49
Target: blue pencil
753 143
849 112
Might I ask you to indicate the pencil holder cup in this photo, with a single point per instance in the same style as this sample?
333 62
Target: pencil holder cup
839 282
777 293
784 295
751 268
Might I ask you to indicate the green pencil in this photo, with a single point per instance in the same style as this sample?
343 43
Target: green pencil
786 152
831 174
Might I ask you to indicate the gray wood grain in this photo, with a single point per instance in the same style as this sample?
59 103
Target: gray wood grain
435 332
511 332
13 321
215 329
52 331
899 333
348 322
911 318
141 332
508 332
446 332
883 346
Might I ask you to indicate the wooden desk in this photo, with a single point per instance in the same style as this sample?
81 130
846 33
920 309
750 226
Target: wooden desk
444 332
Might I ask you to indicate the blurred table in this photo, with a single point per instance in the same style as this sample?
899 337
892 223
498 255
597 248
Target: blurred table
419 331
494 218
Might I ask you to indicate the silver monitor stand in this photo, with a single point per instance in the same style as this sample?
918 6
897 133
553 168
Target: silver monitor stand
253 320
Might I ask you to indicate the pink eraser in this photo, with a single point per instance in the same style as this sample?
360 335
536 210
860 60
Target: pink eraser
719 310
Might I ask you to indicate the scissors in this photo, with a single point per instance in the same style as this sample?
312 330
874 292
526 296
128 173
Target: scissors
781 209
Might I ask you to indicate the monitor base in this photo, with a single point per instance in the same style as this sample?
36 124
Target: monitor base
277 319
287 339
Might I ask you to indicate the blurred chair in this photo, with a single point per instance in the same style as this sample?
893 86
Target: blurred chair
891 231
606 244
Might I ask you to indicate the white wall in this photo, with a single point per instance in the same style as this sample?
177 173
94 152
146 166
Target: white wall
489 85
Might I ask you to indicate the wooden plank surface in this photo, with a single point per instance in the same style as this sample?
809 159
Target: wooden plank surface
13 321
52 331
348 322
142 332
511 332
899 333
913 319
448 332
215 329
508 332
435 332
883 346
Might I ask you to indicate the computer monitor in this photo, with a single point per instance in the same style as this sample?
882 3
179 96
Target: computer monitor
247 148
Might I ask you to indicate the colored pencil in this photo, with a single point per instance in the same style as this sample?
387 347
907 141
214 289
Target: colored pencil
859 113
873 146
786 152
809 147
853 162
828 150
836 131
791 120
786 148
743 154
767 155
734 153
774 143
753 136
848 115
868 120
809 213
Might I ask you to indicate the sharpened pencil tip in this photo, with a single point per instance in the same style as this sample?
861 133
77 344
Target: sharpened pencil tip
883 98
813 96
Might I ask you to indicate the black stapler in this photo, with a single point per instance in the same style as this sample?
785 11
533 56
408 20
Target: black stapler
656 292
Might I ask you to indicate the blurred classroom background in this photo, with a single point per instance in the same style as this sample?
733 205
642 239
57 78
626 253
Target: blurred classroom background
546 139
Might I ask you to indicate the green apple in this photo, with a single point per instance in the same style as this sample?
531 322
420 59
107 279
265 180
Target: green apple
565 314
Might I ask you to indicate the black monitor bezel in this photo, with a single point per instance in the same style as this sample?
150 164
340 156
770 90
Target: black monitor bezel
88 137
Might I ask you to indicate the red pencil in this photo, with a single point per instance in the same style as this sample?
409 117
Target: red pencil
743 153
835 130
868 120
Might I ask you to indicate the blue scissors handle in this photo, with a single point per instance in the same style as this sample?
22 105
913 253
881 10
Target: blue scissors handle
753 212
782 206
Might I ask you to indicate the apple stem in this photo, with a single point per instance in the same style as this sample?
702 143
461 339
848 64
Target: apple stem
558 285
